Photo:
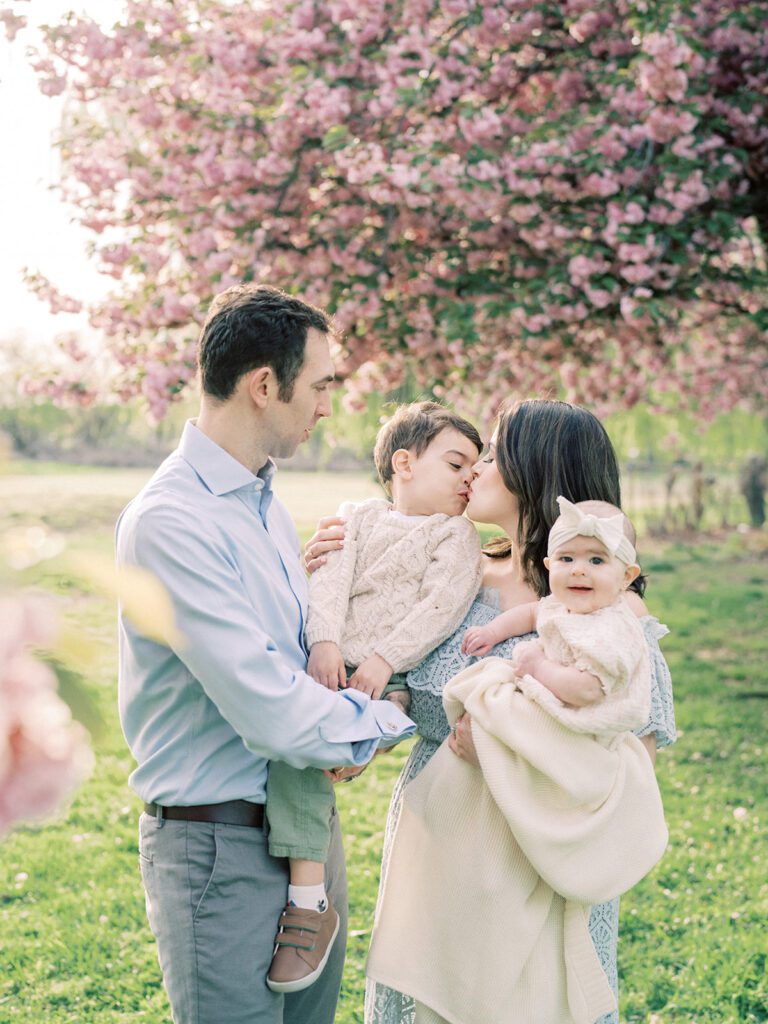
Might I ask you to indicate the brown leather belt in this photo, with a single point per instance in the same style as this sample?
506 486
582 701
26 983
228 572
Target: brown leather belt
233 812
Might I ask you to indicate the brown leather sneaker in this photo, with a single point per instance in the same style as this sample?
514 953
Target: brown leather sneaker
302 947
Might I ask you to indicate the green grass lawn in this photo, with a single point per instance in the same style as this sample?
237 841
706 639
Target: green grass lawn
74 944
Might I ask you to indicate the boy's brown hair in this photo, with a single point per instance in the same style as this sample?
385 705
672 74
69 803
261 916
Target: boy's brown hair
414 427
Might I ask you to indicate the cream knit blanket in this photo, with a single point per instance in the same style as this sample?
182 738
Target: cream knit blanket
484 910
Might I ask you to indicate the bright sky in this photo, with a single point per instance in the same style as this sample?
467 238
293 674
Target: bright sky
36 227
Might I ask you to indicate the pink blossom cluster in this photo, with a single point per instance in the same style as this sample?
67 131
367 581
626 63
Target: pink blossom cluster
482 192
44 754
12 23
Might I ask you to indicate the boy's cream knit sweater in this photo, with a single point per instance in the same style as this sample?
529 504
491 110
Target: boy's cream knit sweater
399 586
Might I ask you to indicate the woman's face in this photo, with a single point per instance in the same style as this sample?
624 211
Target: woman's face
489 499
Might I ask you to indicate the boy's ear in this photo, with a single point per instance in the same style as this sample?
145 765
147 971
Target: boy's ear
259 384
630 574
402 463
546 563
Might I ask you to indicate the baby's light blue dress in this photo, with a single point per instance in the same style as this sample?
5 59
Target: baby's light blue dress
386 1006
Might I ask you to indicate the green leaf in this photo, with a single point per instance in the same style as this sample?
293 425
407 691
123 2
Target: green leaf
337 137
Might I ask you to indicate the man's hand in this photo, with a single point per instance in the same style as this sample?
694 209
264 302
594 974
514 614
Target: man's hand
326 665
461 743
478 640
371 676
329 536
344 774
528 657
400 697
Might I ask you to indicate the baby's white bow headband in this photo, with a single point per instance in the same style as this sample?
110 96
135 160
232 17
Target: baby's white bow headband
609 530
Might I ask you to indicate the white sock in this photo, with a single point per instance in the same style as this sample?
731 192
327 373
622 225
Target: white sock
310 897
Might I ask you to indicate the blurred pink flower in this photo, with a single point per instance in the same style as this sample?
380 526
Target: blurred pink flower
666 49
666 123
13 23
44 754
662 83
581 268
600 185
637 272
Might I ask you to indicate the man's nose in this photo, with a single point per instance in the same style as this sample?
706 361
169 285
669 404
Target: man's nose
323 406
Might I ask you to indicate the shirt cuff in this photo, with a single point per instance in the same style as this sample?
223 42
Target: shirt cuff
376 723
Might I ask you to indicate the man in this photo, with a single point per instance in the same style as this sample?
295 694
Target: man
204 718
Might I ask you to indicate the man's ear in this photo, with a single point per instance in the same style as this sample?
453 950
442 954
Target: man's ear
259 384
402 464
630 574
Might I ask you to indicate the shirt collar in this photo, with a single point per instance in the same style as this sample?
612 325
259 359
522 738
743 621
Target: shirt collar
219 471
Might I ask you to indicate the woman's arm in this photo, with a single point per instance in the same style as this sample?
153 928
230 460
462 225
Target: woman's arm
649 742
662 720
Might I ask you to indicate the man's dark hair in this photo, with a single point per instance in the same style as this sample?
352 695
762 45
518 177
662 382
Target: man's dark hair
250 326
414 427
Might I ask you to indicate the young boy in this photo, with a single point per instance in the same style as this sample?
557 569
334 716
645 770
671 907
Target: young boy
402 583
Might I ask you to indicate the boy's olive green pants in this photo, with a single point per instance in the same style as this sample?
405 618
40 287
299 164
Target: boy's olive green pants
300 803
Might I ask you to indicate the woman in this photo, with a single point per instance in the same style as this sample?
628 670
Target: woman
540 449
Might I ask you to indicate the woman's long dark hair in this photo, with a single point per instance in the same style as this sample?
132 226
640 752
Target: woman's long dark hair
545 448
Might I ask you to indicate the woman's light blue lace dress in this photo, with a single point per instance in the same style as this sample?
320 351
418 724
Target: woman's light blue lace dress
386 1006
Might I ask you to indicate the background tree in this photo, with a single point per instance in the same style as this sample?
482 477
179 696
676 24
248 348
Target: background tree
491 195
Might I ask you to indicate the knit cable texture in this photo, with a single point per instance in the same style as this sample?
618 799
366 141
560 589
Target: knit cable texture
398 587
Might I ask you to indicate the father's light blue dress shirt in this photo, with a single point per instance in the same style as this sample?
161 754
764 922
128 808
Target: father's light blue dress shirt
202 720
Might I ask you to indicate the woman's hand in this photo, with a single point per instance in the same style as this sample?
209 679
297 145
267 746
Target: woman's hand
402 698
329 536
460 741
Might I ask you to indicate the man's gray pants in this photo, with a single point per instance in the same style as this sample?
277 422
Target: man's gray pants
214 896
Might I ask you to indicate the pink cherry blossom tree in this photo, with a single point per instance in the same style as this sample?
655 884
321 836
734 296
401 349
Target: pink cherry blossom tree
492 196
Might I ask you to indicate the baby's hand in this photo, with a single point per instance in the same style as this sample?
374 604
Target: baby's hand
478 640
326 665
527 657
371 676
